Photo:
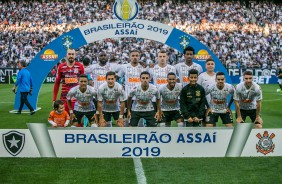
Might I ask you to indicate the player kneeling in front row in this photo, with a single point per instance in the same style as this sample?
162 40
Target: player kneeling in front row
84 104
218 104
59 117
192 101
169 101
247 99
110 97
143 106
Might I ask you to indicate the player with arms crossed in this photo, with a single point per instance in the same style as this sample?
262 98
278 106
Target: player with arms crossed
110 97
84 104
247 99
218 104
59 117
183 68
143 107
169 101
68 73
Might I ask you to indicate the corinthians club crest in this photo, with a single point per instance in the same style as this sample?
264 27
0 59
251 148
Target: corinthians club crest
265 144
13 142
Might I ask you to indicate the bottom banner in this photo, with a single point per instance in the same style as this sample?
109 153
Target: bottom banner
40 141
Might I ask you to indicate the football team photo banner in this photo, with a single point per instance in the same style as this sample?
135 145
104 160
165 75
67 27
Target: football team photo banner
40 141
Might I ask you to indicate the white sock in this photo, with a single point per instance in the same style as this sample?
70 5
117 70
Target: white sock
162 124
181 124
109 124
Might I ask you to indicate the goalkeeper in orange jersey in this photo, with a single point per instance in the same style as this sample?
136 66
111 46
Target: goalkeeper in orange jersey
59 116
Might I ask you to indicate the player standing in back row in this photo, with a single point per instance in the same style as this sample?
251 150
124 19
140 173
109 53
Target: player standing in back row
247 99
183 68
68 72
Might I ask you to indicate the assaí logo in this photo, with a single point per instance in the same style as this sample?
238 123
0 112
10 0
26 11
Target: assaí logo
125 10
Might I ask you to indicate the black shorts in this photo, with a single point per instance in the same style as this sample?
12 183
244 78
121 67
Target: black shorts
225 117
108 115
171 115
79 115
149 116
251 113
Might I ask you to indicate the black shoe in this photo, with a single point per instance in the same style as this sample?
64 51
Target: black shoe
32 112
18 112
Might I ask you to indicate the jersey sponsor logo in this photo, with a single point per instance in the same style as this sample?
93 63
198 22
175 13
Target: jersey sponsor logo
125 10
161 81
215 101
246 101
133 80
265 144
49 55
13 142
71 80
185 79
198 93
101 78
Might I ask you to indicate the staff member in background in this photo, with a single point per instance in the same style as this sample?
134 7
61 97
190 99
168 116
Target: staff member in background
192 101
24 86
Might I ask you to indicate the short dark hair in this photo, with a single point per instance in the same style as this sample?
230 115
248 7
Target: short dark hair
189 48
86 61
22 63
110 73
248 72
83 76
134 50
171 73
57 103
193 71
163 51
210 59
145 72
219 73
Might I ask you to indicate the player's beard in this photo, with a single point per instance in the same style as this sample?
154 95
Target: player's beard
71 60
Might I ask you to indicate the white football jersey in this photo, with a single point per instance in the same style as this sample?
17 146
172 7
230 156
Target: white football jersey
98 74
131 75
84 101
182 71
206 80
111 97
159 74
248 97
143 100
170 98
219 102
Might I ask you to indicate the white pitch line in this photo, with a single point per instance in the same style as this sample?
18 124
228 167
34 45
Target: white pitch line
278 99
141 178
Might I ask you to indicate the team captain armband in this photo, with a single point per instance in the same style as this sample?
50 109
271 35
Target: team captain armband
71 80
134 79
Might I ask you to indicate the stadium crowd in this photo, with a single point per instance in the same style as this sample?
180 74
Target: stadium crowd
239 36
